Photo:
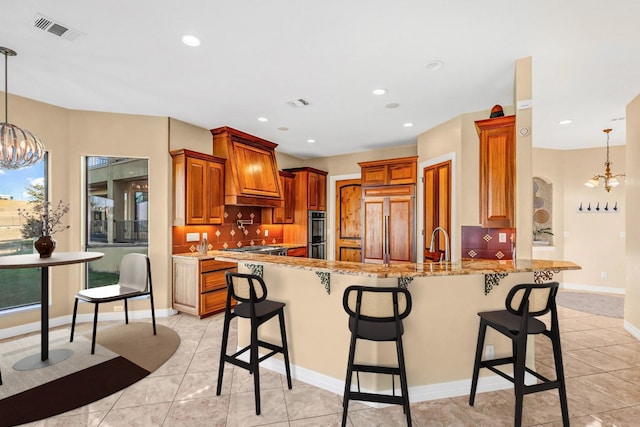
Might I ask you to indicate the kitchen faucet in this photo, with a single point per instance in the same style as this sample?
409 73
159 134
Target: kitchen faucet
447 256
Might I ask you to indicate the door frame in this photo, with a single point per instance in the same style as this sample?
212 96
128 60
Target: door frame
455 231
331 212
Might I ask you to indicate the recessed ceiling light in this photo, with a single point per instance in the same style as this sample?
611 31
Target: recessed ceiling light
263 119
190 40
283 128
408 124
379 91
311 141
392 105
566 122
434 65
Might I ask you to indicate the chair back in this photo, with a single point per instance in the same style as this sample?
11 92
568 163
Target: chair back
536 299
377 304
135 272
246 288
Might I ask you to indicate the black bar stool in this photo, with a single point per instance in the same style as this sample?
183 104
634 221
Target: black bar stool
251 293
517 322
376 314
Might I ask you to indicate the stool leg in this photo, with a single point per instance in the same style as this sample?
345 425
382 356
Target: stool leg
562 390
476 365
223 350
95 327
520 353
403 380
285 348
254 363
347 384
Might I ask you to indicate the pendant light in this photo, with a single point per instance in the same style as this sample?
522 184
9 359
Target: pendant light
19 148
610 180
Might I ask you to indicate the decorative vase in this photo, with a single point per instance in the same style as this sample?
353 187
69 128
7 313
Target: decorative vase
45 246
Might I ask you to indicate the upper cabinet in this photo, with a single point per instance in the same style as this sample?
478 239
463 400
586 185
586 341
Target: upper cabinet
497 171
389 172
198 186
284 214
311 184
251 171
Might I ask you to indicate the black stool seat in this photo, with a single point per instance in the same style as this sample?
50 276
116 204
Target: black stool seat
251 293
517 322
376 314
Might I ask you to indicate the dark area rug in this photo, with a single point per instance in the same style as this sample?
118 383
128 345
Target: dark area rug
124 355
598 304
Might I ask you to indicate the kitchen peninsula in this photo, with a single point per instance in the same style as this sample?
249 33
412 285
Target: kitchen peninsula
440 333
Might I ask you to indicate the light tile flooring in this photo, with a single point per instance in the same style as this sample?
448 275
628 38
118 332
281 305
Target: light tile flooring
602 365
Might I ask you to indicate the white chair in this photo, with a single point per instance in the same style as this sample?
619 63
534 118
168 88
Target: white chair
134 281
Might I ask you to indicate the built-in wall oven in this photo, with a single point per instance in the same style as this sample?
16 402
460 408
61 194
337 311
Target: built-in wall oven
316 242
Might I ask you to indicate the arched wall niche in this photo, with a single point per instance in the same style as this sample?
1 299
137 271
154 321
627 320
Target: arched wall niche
542 212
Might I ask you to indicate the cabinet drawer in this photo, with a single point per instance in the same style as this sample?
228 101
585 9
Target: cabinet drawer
208 265
214 280
299 252
213 302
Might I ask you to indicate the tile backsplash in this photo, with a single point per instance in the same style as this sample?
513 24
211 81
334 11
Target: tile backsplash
484 243
229 234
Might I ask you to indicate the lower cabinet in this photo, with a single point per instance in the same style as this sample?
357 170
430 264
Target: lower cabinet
299 252
199 286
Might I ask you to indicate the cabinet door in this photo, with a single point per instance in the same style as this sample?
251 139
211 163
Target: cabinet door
196 195
312 192
497 172
374 223
285 213
214 197
402 173
374 175
322 192
401 229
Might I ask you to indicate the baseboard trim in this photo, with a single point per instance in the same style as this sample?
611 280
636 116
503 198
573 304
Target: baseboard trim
591 288
632 330
81 318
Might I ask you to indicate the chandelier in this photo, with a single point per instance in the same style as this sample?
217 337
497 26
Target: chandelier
19 148
610 180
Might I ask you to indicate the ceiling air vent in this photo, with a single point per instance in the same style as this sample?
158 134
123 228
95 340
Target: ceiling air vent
49 25
299 102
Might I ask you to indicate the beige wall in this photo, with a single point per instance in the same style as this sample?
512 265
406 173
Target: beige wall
68 136
632 246
348 163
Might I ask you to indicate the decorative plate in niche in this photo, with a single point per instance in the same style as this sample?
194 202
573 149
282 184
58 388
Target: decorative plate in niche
541 216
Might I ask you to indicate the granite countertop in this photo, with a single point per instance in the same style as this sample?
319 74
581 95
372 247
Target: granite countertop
455 268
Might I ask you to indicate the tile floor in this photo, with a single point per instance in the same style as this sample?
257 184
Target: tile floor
602 365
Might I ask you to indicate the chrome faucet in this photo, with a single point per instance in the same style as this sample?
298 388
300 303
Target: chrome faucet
447 255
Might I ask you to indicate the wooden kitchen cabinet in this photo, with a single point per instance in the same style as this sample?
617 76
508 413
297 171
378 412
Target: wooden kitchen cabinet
297 252
497 171
398 171
286 213
311 185
198 188
199 286
388 224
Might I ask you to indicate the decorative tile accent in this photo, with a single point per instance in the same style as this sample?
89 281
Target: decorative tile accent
226 215
218 233
193 248
472 253
499 255
225 245
246 232
274 241
258 231
232 232
487 238
325 280
239 244
239 215
252 215
484 243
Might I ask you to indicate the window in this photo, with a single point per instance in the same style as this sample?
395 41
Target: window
117 200
19 287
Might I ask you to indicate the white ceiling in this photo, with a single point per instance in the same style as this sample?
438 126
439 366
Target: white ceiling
258 54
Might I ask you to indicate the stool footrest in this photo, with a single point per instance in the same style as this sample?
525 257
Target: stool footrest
377 369
378 398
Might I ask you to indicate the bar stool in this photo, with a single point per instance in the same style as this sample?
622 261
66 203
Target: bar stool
519 320
376 314
251 293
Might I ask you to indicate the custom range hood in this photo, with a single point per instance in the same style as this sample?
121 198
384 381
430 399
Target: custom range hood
250 171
